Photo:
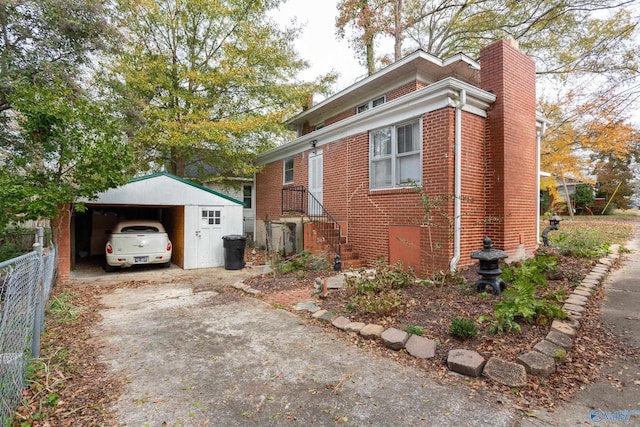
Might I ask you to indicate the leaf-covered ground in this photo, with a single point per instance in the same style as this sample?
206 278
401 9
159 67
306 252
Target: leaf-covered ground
433 307
71 386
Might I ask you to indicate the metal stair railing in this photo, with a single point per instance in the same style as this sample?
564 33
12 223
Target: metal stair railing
298 199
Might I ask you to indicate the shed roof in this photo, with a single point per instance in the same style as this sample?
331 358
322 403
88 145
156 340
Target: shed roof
162 189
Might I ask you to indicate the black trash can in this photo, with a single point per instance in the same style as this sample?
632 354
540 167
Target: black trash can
233 251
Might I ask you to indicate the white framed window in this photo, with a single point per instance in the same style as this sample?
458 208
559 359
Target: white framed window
288 170
211 217
370 104
395 156
246 196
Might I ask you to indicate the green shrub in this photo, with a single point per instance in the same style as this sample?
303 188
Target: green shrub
380 293
386 277
303 261
415 330
449 278
382 304
519 300
463 328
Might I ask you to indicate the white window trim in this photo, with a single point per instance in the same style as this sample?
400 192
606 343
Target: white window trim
394 156
284 170
369 104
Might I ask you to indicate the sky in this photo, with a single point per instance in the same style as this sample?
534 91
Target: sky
318 43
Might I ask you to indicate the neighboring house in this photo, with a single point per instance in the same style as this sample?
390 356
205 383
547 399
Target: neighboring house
463 131
240 189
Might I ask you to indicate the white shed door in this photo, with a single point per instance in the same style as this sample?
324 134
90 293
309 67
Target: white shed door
315 182
209 238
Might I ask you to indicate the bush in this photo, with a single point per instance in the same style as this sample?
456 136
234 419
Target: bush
463 328
414 330
519 300
380 293
303 261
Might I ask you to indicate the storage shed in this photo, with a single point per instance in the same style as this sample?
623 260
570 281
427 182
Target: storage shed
195 217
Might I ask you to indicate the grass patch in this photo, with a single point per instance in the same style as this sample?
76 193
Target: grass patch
588 237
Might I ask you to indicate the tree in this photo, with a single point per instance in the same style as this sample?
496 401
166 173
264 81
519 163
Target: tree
45 40
614 181
59 144
206 85
66 147
583 197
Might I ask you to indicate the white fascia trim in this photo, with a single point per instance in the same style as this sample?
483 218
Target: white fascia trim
380 74
444 93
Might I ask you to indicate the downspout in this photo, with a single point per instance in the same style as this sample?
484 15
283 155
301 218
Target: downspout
457 197
543 128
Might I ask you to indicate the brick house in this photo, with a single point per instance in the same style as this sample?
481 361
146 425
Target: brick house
464 132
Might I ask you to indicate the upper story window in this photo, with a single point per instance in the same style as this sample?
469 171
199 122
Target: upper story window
395 156
246 196
369 105
288 170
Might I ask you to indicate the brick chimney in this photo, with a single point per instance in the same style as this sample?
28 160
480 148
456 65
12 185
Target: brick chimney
512 169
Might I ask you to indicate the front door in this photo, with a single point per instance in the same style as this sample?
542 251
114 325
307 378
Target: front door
209 237
315 182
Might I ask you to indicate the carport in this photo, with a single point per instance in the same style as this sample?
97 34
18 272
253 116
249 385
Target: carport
195 217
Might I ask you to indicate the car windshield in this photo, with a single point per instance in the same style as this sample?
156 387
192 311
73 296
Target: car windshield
139 228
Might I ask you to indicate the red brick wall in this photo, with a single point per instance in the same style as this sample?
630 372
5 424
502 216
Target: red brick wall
511 154
341 116
498 175
366 215
61 226
403 90
389 96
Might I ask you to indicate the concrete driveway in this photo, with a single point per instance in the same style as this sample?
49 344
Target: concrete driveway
194 353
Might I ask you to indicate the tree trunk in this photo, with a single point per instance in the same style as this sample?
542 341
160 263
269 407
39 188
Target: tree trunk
398 32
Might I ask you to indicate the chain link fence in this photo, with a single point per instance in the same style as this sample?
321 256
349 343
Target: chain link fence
25 286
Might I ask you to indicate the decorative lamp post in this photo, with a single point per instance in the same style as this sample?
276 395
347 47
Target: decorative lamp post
554 224
489 259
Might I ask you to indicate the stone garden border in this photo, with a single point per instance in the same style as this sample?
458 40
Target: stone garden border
541 361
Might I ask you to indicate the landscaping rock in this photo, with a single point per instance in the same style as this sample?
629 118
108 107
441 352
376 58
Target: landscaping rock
582 292
557 338
394 339
354 327
465 362
537 364
573 315
371 331
563 328
340 322
306 306
420 347
594 276
323 315
336 282
573 307
590 283
578 297
575 324
548 348
606 261
507 373
575 301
